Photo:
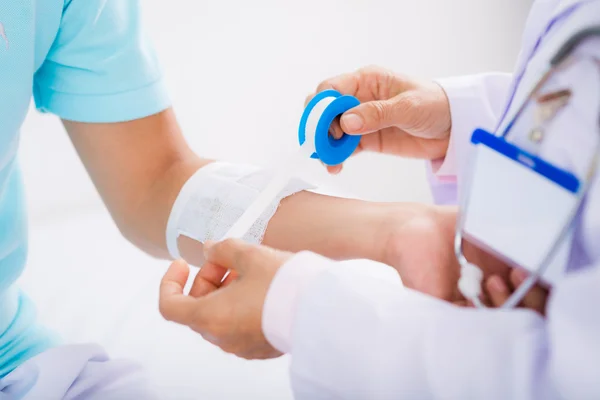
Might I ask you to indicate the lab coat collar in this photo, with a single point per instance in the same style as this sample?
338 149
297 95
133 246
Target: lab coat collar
539 63
565 4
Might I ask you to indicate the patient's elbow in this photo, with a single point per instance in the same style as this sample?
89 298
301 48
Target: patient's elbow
140 232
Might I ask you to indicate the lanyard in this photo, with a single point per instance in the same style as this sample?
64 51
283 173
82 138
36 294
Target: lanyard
517 81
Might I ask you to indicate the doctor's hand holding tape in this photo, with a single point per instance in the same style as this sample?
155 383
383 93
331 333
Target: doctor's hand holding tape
398 115
408 117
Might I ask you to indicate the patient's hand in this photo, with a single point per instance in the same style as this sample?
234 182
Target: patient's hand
499 291
421 249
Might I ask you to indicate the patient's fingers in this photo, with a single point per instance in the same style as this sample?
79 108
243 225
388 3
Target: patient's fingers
498 290
536 297
173 304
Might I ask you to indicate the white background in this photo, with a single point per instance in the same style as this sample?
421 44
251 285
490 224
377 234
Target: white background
238 72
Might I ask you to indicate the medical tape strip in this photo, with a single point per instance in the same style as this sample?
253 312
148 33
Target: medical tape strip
219 181
315 142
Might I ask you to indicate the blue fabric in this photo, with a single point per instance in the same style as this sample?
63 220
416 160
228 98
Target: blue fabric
83 60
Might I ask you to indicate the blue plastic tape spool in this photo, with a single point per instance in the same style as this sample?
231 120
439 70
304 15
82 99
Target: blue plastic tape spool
329 150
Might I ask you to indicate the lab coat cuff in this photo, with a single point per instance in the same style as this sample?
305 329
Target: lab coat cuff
476 101
443 192
464 100
283 296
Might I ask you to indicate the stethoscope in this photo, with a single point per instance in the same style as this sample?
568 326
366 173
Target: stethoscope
471 276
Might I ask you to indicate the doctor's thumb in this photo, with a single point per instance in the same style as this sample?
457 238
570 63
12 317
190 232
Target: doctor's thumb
375 115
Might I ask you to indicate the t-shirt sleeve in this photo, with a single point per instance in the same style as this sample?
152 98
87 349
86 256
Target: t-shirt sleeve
101 67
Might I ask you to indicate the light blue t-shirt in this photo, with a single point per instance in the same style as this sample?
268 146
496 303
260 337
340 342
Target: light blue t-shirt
83 60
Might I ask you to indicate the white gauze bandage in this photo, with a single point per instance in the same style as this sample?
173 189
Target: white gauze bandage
216 196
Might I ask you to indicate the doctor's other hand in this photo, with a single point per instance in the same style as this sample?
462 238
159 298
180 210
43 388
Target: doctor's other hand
498 291
399 115
228 316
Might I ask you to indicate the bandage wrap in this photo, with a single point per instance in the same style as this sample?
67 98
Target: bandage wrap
215 197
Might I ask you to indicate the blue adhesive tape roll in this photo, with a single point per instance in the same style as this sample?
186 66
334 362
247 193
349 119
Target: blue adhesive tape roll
329 150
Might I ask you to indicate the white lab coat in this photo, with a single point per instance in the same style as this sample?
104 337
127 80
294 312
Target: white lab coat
354 336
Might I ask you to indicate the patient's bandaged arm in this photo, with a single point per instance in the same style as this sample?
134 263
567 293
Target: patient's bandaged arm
215 197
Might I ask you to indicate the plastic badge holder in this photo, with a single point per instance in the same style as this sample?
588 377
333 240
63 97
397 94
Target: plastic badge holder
518 205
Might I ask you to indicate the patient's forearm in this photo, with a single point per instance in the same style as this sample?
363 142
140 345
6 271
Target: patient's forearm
335 227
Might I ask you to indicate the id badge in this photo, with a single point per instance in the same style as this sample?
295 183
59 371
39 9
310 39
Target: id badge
518 206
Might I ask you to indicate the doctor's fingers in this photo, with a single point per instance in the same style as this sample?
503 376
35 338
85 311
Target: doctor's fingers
234 254
246 258
367 84
345 84
210 278
404 111
536 298
204 314
499 291
336 169
397 142
173 304
401 143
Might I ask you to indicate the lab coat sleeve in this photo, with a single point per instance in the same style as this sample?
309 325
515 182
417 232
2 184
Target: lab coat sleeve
476 101
354 336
